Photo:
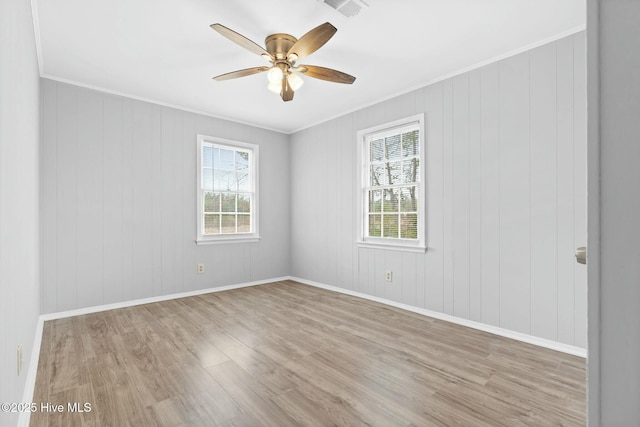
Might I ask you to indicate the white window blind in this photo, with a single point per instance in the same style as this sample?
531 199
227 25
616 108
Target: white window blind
392 185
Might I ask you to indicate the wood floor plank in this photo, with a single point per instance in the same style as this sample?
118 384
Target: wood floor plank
242 420
66 350
308 412
72 410
250 394
203 395
285 354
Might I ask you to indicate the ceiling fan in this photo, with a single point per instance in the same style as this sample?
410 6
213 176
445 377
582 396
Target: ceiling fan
283 51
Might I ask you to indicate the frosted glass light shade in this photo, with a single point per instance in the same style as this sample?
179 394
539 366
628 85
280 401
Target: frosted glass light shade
295 81
274 75
275 87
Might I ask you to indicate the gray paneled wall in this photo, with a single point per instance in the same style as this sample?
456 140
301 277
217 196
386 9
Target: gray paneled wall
119 201
506 196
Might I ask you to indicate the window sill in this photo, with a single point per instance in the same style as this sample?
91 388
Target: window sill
222 240
392 247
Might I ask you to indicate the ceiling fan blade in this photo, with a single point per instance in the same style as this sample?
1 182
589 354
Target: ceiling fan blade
312 41
240 73
287 92
241 40
327 74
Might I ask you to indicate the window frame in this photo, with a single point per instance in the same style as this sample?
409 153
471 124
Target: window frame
363 137
253 235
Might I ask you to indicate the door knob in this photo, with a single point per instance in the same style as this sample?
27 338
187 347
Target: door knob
581 255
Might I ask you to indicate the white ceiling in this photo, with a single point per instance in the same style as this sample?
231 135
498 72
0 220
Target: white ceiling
165 52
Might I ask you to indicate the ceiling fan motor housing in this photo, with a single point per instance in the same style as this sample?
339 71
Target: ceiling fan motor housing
279 44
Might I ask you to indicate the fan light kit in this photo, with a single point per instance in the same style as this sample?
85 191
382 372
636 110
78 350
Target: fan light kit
283 51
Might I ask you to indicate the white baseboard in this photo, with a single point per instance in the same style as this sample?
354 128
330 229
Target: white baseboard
124 304
30 381
530 339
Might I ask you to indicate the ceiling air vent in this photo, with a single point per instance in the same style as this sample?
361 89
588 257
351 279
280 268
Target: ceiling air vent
348 8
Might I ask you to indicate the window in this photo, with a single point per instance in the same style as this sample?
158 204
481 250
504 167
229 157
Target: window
227 191
391 187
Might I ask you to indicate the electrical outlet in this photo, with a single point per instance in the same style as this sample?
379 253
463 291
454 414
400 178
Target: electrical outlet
388 276
200 268
19 359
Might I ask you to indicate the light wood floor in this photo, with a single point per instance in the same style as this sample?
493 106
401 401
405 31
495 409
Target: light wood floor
287 354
